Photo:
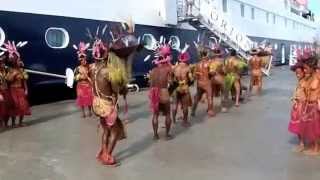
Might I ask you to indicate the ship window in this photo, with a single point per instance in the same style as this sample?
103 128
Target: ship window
225 5
274 19
174 42
2 36
252 13
57 38
267 17
242 10
149 41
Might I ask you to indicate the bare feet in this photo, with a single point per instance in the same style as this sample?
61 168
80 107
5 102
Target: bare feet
156 137
299 148
224 110
211 113
168 137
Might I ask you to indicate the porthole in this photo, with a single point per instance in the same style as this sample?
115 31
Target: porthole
149 41
174 42
57 38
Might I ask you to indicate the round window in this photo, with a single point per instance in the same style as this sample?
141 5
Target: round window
149 41
57 38
174 42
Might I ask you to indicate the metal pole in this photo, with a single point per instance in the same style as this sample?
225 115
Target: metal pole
45 73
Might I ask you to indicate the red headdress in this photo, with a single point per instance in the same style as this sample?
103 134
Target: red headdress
12 49
81 49
303 55
99 49
164 50
308 57
163 54
184 57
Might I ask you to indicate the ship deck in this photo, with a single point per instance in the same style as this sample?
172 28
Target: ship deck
248 143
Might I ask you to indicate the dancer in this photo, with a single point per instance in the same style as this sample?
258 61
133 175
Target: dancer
233 68
17 80
299 102
256 73
310 118
183 77
4 93
109 77
84 82
203 82
217 77
160 78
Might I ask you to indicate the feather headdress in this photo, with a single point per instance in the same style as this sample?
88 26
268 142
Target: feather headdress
12 49
82 49
308 57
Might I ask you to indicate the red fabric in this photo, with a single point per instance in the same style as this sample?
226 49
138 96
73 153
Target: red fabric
5 104
184 57
295 122
310 122
154 97
20 103
84 94
111 119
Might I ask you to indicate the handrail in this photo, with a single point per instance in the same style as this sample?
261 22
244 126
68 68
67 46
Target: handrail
196 12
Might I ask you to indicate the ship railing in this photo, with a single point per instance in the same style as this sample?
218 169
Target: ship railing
190 10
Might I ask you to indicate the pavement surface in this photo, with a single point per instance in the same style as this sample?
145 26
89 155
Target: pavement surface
247 143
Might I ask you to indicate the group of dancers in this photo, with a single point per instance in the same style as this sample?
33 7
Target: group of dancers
13 87
216 73
305 113
100 84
